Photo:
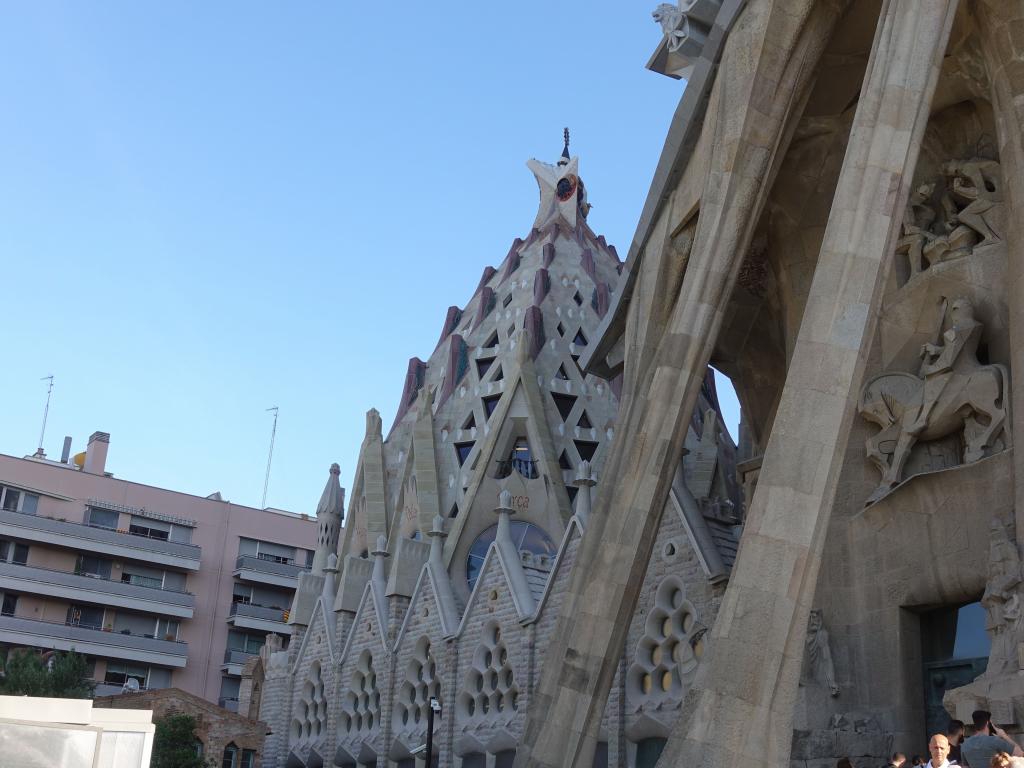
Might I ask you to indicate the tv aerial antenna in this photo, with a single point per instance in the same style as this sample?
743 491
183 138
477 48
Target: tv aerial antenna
270 456
46 413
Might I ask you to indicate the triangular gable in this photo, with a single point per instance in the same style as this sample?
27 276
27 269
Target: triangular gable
367 604
426 589
542 446
574 531
318 621
493 559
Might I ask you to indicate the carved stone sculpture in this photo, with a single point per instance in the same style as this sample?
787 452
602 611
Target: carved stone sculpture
952 393
1004 619
818 665
947 218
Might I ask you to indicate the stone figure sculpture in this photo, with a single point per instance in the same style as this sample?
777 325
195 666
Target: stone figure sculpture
952 393
1004 619
964 214
818 666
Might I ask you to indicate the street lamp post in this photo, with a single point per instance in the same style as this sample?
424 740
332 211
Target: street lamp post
435 706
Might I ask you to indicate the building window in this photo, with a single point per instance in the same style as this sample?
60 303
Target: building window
93 566
230 757
11 552
526 537
86 616
120 674
9 605
248 758
15 500
148 531
167 629
103 518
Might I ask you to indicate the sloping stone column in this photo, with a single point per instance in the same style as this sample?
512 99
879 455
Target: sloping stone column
740 708
769 71
1002 29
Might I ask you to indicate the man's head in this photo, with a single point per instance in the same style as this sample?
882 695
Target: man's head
938 748
955 732
898 759
981 720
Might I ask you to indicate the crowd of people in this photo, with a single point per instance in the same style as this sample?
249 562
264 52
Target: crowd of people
988 746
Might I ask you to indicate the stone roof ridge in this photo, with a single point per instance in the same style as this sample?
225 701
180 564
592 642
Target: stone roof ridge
572 530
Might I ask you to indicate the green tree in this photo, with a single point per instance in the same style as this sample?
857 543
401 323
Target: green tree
174 743
60 675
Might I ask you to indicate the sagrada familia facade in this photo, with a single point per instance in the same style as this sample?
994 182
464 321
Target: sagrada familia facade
558 540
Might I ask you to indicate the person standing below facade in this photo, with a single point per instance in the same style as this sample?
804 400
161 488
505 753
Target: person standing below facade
898 760
955 734
938 748
988 739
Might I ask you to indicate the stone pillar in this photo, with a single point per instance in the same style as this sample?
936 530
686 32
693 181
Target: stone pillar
1002 30
740 708
772 51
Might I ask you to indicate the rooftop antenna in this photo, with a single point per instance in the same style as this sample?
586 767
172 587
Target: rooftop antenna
270 456
46 412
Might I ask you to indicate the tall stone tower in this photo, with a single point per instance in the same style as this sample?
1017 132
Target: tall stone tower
329 516
498 441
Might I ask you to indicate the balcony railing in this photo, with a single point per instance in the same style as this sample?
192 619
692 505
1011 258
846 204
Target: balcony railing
255 568
525 467
98 539
261 612
234 656
78 587
92 641
229 703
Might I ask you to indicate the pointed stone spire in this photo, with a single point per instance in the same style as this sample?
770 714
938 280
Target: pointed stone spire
510 556
559 187
329 515
330 579
585 480
437 536
379 554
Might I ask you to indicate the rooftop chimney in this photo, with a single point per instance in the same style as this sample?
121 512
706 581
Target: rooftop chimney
65 453
96 453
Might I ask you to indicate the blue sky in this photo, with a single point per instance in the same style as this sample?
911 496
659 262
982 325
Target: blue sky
208 209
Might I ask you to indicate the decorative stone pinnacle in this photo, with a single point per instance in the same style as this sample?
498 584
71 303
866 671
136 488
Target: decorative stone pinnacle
437 531
505 503
565 149
382 547
585 476
332 563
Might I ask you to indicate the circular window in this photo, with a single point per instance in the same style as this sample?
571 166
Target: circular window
527 537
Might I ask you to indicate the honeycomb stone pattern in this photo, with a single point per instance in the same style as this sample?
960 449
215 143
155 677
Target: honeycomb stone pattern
361 703
490 689
667 654
310 719
422 682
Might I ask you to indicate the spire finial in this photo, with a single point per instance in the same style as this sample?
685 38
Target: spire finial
565 149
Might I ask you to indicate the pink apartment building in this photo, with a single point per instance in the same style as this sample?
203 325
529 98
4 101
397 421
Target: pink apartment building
156 586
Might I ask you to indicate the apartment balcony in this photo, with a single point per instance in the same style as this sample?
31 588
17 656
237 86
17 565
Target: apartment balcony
260 618
264 571
63 533
235 660
82 588
94 642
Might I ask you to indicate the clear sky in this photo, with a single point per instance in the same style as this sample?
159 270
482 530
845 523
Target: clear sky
208 209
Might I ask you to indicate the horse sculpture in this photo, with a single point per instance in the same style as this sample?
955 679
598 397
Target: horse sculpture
955 394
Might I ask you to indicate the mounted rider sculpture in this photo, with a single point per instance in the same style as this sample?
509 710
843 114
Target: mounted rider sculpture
952 393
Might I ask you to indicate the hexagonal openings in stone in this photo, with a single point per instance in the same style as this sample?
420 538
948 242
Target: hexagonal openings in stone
360 706
422 682
667 654
311 708
489 689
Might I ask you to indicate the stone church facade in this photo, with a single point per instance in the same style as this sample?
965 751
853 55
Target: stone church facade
833 224
465 524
